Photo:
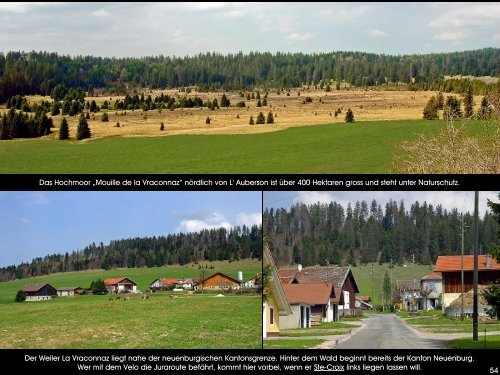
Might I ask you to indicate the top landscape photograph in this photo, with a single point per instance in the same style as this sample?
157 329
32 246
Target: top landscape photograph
220 87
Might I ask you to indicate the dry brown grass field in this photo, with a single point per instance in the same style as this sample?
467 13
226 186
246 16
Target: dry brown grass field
289 111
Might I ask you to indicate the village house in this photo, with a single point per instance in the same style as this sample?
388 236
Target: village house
163 284
69 291
217 281
408 296
342 279
39 292
311 304
253 282
120 285
450 268
186 283
363 303
274 304
431 287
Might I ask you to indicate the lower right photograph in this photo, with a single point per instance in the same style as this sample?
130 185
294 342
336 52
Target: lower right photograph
381 270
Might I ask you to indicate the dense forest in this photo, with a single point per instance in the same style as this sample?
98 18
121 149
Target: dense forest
23 73
361 233
182 248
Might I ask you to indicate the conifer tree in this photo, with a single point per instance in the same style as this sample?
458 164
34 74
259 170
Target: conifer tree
270 118
83 130
261 119
349 116
251 122
468 103
430 110
63 129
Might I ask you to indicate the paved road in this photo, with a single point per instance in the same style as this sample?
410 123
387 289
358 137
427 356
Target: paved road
388 332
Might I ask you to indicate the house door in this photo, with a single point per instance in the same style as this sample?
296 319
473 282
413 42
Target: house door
308 316
302 317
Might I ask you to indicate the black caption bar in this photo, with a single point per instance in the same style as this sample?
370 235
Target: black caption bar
229 182
250 361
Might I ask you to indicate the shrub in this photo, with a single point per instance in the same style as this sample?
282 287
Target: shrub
20 296
349 116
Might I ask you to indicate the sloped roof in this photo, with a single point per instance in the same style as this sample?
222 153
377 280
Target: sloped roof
454 263
333 275
34 287
274 284
116 280
363 298
69 288
312 294
408 285
433 276
198 279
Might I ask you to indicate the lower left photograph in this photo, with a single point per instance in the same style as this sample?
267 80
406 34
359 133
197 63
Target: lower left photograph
133 270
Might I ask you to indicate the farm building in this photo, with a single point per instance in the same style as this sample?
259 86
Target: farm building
408 294
363 303
450 268
167 284
311 304
342 279
254 282
187 283
69 291
274 305
163 284
39 292
120 285
217 281
432 288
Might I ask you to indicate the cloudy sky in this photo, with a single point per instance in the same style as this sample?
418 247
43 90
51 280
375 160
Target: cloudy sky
140 29
463 201
41 223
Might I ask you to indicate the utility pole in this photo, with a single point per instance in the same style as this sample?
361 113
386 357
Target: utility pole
392 268
476 246
462 273
372 283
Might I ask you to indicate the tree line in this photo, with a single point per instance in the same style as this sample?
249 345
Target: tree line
23 73
181 248
361 233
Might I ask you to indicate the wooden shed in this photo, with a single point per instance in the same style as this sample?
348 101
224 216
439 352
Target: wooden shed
39 292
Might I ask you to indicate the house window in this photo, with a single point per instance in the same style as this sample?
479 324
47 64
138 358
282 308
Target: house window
271 318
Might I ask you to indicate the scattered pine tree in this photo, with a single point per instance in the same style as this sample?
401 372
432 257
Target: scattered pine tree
83 130
270 118
349 116
63 129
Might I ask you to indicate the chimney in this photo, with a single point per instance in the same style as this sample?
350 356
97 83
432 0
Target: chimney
488 260
299 267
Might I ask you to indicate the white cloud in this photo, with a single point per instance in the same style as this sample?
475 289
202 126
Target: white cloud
208 220
24 220
299 37
22 7
100 13
496 38
462 15
377 33
249 219
453 37
354 12
312 197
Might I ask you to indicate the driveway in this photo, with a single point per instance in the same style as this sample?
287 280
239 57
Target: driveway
388 331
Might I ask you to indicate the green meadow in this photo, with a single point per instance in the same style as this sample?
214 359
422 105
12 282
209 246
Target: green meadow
369 286
142 276
197 321
364 147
